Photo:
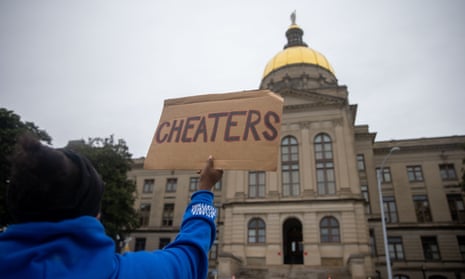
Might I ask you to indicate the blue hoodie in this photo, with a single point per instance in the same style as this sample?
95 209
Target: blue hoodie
79 248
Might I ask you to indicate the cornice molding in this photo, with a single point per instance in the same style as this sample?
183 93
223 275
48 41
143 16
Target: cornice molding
250 202
307 124
312 95
418 148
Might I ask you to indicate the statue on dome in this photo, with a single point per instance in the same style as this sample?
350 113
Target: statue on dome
293 15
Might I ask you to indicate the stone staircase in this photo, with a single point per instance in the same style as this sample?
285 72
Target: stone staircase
291 272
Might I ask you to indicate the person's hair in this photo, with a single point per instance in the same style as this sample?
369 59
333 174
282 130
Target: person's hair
48 184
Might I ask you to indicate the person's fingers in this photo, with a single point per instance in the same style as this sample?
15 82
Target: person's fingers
210 162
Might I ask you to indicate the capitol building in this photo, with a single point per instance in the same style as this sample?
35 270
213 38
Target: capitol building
318 216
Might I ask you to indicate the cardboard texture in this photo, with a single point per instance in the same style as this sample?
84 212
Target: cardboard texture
242 131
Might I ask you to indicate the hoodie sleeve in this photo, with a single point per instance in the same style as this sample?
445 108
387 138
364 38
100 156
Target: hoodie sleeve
187 255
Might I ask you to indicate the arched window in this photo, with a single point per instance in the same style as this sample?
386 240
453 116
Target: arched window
290 166
325 177
329 230
256 231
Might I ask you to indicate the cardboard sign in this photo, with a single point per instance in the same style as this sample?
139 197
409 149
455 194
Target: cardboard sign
241 130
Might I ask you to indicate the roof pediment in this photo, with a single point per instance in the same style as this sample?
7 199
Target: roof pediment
298 100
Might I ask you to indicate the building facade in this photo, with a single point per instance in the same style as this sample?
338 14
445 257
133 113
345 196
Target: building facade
319 215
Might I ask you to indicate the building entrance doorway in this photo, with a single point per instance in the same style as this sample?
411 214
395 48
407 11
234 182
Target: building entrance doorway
292 242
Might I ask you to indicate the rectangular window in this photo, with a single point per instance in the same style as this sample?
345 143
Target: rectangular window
218 214
140 244
430 248
168 214
163 242
396 249
456 207
422 209
373 243
386 175
360 163
144 214
447 172
213 252
194 184
326 179
390 209
414 173
171 184
291 180
366 196
256 184
148 186
461 241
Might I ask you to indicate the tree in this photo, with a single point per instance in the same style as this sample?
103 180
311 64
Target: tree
112 161
11 127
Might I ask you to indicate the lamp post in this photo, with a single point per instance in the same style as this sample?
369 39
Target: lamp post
381 205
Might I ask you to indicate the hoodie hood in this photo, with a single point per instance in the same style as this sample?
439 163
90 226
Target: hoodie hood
74 248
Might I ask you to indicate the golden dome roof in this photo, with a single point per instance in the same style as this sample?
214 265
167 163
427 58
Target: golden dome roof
296 51
297 55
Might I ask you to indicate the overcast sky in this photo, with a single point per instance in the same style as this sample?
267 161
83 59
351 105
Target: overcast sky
88 68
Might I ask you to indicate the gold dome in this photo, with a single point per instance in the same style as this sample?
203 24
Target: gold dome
297 55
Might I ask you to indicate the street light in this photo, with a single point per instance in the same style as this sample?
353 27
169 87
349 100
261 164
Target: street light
381 205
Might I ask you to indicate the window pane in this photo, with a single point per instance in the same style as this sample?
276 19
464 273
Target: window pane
331 188
294 149
261 191
295 157
393 217
330 175
261 178
295 177
286 177
285 157
400 253
252 191
410 176
459 205
295 189
360 162
286 190
321 188
320 174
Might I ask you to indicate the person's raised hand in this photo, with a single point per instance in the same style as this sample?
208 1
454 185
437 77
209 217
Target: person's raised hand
209 176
